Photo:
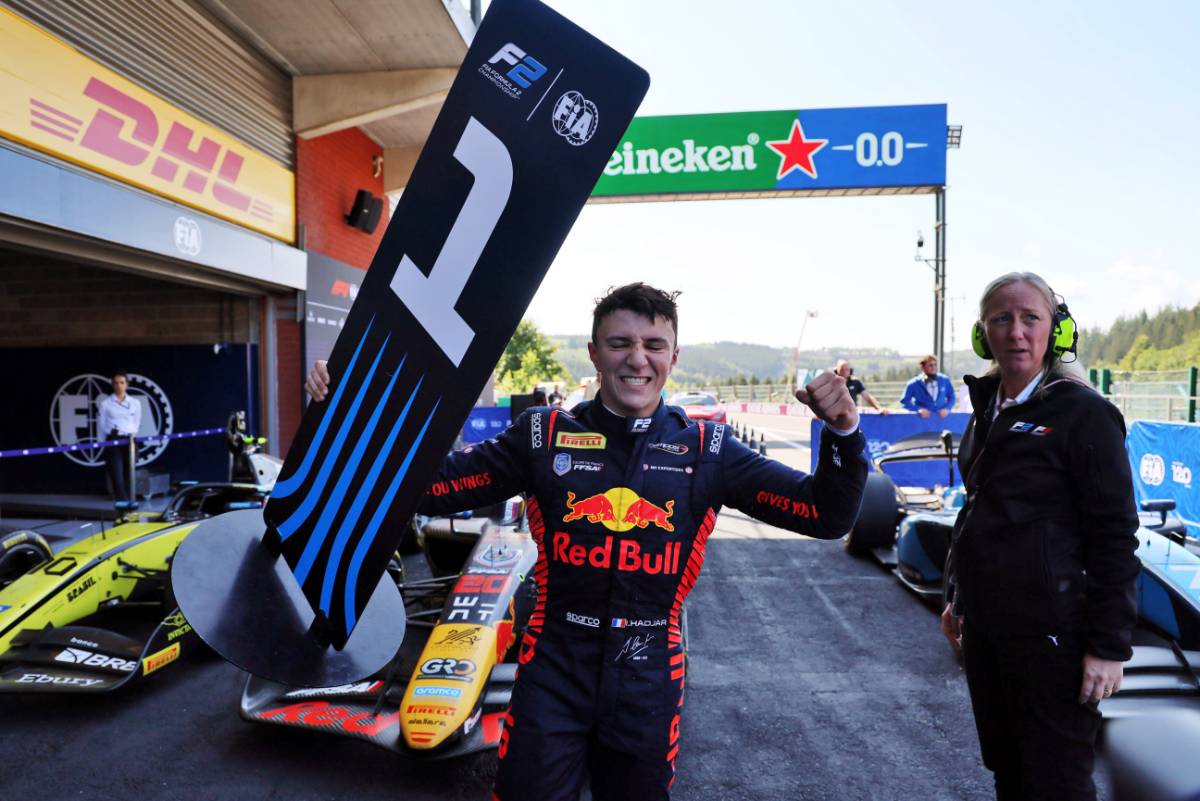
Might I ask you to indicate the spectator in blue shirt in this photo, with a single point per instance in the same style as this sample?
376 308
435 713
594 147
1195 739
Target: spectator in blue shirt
930 391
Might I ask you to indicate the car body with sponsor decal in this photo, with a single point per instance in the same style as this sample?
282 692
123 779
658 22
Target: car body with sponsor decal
446 692
447 689
97 612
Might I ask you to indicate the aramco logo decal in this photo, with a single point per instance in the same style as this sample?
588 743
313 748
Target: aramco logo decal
620 509
75 416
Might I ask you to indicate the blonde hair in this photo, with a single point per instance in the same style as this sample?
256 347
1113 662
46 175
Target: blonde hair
1052 362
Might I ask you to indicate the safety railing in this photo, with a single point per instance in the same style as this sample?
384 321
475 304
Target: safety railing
1169 395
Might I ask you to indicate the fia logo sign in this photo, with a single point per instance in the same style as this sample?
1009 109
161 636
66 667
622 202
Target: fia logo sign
574 118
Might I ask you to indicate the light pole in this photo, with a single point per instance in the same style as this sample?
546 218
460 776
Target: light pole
808 314
938 265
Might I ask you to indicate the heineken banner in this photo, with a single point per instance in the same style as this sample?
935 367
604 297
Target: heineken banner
525 130
896 149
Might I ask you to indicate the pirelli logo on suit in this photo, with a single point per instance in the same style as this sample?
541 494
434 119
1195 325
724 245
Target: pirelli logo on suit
583 441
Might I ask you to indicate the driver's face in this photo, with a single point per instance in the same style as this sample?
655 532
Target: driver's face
633 357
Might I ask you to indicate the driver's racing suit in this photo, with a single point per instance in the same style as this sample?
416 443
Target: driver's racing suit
621 509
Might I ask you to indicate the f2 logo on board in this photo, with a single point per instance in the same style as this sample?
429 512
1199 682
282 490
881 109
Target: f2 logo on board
431 300
526 69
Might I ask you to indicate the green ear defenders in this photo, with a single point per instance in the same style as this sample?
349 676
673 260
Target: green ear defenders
1064 336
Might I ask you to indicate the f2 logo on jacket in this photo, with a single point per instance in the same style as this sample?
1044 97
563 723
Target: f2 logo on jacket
431 300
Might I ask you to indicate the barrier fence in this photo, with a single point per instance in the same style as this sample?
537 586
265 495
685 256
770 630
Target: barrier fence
1168 395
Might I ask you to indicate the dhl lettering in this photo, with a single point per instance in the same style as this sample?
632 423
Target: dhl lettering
462 484
630 558
321 714
118 111
588 441
482 584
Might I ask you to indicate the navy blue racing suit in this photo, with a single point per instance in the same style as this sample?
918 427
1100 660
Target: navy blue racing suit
621 510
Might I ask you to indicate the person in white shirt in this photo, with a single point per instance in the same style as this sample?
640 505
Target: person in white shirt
120 416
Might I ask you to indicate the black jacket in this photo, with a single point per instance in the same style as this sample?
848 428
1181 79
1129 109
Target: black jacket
1045 543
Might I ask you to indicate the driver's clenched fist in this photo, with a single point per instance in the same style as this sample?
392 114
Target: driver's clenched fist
317 383
830 401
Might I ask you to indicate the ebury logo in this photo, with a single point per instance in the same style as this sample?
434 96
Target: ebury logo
687 158
525 70
626 556
620 509
593 442
128 131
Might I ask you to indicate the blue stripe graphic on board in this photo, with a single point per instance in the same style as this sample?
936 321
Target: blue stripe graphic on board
360 501
381 510
285 488
334 504
298 517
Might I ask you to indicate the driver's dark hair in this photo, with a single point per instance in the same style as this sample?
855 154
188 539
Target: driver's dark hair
120 373
641 299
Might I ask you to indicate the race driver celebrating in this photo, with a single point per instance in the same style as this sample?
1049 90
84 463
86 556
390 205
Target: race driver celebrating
623 493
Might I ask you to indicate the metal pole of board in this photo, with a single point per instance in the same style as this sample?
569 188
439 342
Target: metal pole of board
132 469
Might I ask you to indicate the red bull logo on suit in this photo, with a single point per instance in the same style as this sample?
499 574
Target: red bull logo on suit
620 509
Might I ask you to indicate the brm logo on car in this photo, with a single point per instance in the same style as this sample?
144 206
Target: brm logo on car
78 656
526 70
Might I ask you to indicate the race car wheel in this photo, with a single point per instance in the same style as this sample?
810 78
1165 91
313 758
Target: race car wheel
876 524
21 552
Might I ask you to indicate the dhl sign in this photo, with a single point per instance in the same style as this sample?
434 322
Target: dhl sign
57 100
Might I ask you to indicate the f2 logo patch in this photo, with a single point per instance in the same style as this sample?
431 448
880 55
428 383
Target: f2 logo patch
526 69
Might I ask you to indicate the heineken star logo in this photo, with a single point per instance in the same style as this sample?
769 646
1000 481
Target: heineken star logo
796 152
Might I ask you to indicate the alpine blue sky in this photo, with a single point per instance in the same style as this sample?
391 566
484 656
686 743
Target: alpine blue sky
1079 161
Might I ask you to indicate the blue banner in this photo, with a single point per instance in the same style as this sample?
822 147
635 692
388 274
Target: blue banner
1165 460
882 430
870 147
485 422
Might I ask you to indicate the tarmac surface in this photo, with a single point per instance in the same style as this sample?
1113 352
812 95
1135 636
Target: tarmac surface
812 675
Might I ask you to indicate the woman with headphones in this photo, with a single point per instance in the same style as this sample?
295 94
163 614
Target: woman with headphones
1043 549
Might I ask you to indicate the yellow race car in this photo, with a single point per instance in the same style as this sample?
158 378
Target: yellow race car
99 613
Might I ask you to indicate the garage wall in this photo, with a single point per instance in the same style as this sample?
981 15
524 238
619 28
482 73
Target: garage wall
45 302
330 169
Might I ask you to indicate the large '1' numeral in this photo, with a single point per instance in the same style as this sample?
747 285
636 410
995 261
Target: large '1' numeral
431 300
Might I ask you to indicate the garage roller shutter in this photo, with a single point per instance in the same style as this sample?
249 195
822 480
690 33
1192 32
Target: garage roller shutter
180 53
